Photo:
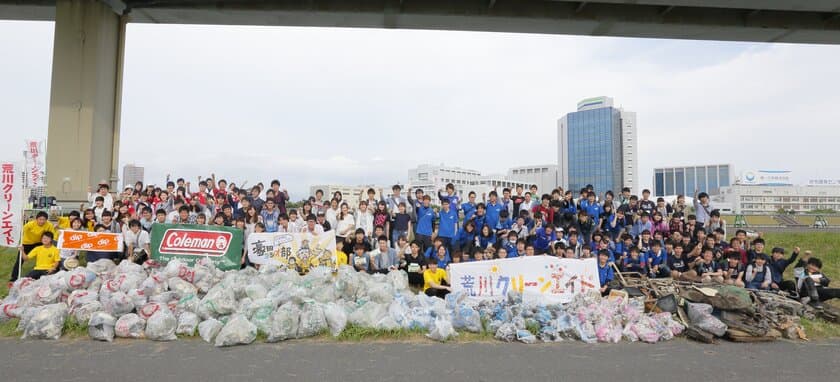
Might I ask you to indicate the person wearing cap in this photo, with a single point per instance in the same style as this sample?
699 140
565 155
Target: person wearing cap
321 219
758 275
778 264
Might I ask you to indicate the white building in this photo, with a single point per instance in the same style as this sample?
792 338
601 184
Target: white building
546 176
770 199
132 174
597 145
432 178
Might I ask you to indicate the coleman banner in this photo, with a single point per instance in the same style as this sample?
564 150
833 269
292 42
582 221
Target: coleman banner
90 241
11 205
545 279
190 242
298 251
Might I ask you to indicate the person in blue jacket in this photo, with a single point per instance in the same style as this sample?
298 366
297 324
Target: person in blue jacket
469 206
451 196
544 237
480 217
494 209
425 223
605 271
465 240
486 238
592 208
509 244
432 251
636 262
657 260
448 225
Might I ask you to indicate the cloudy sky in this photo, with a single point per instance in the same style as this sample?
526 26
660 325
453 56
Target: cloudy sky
313 106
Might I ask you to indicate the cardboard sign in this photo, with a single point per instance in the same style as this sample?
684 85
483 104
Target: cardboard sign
299 251
190 242
90 241
545 279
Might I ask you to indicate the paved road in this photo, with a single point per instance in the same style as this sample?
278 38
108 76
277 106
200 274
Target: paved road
194 360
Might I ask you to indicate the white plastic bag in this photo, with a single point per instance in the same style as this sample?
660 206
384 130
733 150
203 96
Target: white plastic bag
336 318
161 326
442 330
47 323
312 320
130 326
284 323
101 326
237 331
187 323
209 329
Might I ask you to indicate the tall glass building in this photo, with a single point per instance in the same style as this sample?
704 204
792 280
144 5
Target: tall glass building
597 146
671 181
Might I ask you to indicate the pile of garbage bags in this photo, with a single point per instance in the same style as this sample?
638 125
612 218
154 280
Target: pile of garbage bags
228 308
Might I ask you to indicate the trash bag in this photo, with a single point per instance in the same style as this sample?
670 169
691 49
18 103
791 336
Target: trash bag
101 326
506 332
260 314
312 320
161 326
220 300
466 318
255 291
83 313
147 311
130 326
187 323
336 318
399 280
368 314
700 316
442 330
118 304
9 310
526 337
237 331
80 278
284 323
180 287
209 329
47 322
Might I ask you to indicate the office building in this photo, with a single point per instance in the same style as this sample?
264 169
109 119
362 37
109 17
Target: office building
132 174
597 145
748 199
683 180
546 176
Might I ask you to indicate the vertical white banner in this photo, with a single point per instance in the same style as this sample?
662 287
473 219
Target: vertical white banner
35 167
11 204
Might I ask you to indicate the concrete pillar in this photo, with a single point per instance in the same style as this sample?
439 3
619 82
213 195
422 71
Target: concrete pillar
84 122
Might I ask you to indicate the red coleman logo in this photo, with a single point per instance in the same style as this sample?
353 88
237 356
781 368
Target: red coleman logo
192 242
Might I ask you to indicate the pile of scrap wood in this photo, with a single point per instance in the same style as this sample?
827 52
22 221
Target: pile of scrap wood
712 311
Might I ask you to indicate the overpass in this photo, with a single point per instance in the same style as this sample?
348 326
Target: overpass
86 92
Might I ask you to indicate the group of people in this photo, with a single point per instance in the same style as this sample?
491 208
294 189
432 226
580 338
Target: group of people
409 231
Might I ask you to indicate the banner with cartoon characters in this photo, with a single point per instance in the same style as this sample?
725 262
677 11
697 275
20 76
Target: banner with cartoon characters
298 251
545 279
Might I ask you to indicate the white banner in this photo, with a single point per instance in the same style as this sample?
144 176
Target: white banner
298 251
545 279
35 167
11 205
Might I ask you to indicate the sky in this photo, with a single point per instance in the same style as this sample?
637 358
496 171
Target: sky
361 106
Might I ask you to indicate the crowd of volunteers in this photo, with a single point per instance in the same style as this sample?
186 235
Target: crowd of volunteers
423 234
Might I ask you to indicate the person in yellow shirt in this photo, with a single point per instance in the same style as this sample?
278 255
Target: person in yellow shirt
435 281
33 232
46 257
64 221
340 258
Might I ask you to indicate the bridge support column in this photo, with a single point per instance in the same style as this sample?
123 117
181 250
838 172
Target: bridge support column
85 96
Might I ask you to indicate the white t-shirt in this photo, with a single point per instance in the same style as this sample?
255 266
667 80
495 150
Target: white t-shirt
138 240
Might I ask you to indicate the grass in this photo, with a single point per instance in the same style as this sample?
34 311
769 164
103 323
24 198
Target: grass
818 329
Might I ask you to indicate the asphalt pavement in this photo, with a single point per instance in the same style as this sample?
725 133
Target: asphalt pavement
194 360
